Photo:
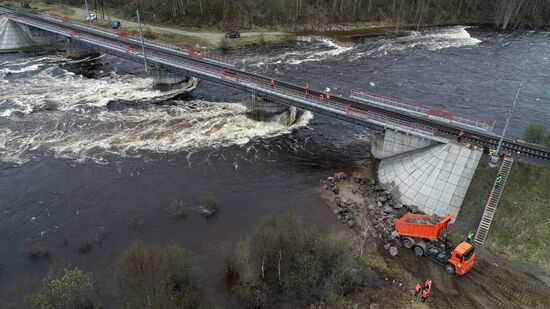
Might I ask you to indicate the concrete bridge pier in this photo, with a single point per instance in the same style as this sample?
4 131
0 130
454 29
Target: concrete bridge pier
435 177
78 52
265 110
166 79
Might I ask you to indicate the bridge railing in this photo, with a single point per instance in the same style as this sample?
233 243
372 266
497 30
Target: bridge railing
428 112
126 35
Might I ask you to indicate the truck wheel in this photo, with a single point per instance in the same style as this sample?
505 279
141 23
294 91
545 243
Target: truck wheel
408 243
419 250
450 269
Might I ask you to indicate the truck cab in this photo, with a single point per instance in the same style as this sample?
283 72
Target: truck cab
461 259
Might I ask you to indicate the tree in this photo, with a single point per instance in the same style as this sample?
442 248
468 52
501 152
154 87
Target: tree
290 259
536 133
148 276
71 290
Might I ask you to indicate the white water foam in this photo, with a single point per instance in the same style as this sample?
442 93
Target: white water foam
69 91
127 133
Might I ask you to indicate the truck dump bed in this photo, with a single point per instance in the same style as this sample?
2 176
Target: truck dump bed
421 226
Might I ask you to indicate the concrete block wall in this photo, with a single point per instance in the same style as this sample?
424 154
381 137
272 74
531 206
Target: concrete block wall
392 143
435 178
15 36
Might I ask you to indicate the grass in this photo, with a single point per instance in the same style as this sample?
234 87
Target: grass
521 228
40 7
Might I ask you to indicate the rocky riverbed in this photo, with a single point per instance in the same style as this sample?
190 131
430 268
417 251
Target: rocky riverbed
365 207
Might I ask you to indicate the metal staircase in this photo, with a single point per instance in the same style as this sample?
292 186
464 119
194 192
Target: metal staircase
492 202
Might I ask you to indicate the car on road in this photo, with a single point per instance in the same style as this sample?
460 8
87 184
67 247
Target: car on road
91 16
115 24
233 35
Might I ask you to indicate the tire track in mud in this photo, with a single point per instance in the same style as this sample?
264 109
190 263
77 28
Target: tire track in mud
504 288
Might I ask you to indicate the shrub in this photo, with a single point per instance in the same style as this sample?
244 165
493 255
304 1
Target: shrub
136 222
148 276
71 289
35 250
536 133
177 209
209 205
84 246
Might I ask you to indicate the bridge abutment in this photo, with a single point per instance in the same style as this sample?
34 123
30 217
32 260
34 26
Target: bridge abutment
391 143
19 37
433 177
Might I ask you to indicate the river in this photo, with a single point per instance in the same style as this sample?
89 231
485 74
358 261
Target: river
89 144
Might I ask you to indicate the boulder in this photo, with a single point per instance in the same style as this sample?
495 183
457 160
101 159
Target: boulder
371 207
340 175
382 199
387 209
379 204
351 223
396 205
387 246
335 190
393 251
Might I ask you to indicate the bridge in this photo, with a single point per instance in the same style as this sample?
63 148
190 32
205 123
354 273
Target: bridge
414 137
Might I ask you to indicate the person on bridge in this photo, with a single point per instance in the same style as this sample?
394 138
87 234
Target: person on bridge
272 83
418 288
307 89
327 93
460 135
469 237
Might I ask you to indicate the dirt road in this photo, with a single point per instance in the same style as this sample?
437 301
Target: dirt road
212 37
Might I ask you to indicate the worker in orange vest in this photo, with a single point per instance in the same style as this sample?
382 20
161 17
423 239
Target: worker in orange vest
460 135
428 284
417 289
425 294
307 89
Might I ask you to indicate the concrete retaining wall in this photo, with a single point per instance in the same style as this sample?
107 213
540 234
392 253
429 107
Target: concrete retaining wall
435 178
392 143
16 37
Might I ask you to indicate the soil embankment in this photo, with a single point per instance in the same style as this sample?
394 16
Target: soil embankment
493 282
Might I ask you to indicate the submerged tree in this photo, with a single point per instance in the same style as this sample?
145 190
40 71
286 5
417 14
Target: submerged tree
73 289
537 134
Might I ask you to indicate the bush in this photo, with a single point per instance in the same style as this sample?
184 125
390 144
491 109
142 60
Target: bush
148 33
537 134
287 258
84 246
209 205
148 276
72 289
136 222
224 43
177 209
35 250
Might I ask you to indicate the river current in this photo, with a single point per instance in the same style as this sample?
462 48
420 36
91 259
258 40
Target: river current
90 143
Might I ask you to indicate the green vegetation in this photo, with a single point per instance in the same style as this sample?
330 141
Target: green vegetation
41 7
285 260
177 209
537 134
314 14
208 204
148 276
521 229
136 222
71 289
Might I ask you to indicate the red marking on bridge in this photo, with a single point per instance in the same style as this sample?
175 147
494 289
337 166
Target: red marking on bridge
123 34
430 111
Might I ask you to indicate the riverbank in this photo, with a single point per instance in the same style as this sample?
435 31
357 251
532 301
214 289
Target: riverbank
358 196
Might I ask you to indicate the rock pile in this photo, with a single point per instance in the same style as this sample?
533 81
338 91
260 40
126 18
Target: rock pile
375 218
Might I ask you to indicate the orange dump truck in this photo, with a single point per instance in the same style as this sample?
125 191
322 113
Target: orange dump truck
426 235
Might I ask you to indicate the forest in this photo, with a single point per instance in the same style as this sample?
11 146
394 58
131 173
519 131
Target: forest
317 14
